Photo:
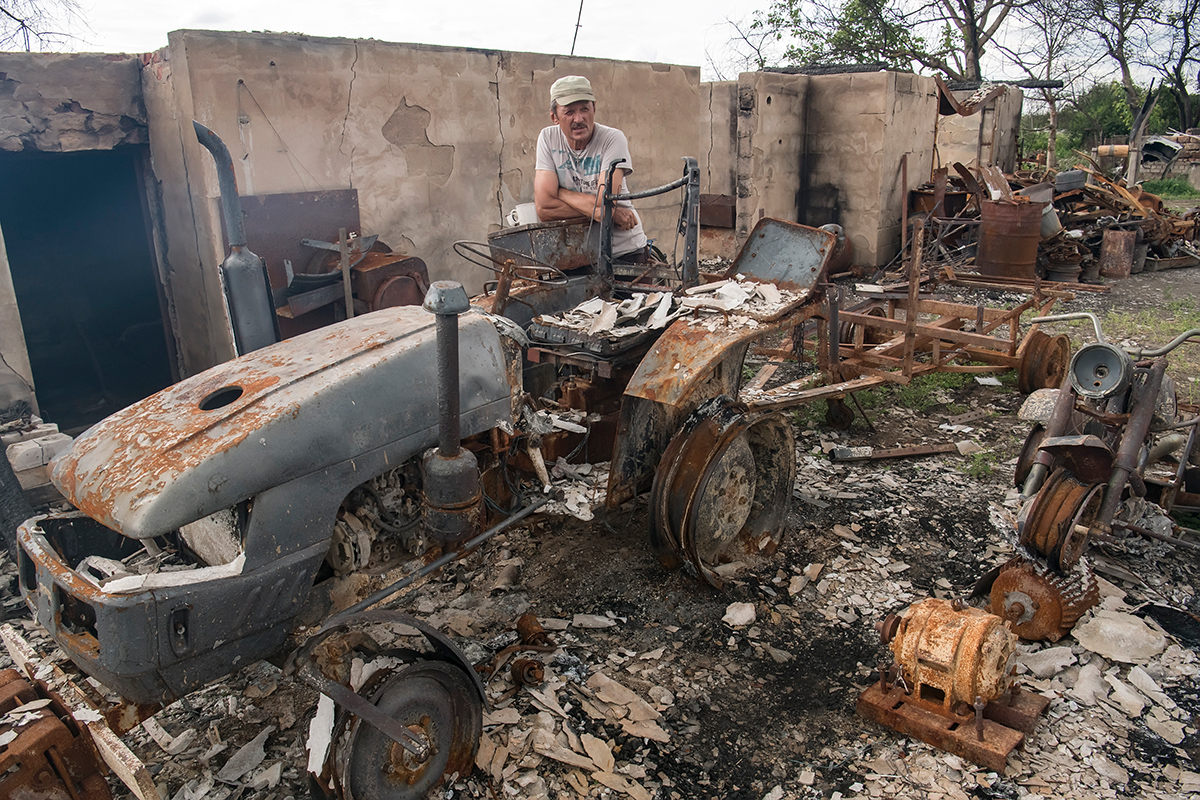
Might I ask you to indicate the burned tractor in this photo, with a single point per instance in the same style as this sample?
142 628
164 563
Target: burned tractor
268 495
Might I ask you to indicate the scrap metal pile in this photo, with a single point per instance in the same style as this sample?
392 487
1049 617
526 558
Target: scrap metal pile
1075 226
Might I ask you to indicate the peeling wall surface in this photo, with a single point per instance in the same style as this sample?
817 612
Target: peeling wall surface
58 102
439 143
989 136
770 147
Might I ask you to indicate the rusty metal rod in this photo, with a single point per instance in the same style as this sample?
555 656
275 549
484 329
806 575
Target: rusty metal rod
1132 439
1149 534
454 555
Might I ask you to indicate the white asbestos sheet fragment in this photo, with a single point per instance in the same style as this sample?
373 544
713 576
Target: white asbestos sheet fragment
160 580
770 293
662 311
604 321
320 735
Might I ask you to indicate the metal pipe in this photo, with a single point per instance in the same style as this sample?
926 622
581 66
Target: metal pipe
1060 418
453 555
1168 347
231 204
1071 316
446 300
449 435
1132 439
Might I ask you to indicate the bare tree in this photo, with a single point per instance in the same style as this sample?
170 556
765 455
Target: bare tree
1175 55
1123 27
751 46
1049 42
36 24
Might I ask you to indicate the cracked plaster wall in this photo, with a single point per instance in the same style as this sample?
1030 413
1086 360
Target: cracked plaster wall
718 133
58 102
439 142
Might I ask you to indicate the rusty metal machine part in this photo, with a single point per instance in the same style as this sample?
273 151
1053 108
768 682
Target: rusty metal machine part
531 631
437 704
52 756
1029 454
951 685
1041 604
1055 523
1042 361
953 656
724 483
415 719
450 473
528 672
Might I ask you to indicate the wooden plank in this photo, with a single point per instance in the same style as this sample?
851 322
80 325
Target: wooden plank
120 759
760 380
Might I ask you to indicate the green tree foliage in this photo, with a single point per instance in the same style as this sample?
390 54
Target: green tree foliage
947 36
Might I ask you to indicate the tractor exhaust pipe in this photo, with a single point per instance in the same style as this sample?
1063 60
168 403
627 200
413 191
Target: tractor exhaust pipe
453 498
243 274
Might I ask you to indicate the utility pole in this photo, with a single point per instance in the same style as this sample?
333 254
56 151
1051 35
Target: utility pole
577 19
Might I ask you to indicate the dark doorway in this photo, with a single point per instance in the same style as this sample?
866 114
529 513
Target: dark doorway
74 225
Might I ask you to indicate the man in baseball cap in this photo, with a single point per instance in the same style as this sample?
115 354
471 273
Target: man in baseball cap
572 157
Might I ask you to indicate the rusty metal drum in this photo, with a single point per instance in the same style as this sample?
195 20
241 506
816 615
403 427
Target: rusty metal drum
1008 239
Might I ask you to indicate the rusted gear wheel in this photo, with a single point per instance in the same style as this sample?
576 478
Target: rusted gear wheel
723 487
1053 523
1042 361
1042 604
434 700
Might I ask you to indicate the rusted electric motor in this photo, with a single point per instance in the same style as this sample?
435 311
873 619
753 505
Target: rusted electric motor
951 656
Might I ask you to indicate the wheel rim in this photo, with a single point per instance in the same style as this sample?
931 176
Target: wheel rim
438 704
725 482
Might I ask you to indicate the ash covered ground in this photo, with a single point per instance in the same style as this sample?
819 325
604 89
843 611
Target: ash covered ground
688 705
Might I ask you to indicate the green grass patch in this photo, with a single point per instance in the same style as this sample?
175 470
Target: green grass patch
982 464
1171 187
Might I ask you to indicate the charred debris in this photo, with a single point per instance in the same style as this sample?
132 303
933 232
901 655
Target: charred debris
586 391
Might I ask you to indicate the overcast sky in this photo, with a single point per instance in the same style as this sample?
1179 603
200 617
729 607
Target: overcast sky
668 31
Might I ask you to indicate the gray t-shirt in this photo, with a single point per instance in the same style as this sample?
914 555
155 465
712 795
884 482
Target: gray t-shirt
584 171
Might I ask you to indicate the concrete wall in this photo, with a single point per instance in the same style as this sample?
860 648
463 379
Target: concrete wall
988 136
860 126
770 146
12 334
909 137
56 102
718 133
439 142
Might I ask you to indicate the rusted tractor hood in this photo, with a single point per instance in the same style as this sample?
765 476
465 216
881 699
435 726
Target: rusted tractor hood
279 413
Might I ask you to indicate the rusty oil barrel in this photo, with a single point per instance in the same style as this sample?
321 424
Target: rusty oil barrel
1008 239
